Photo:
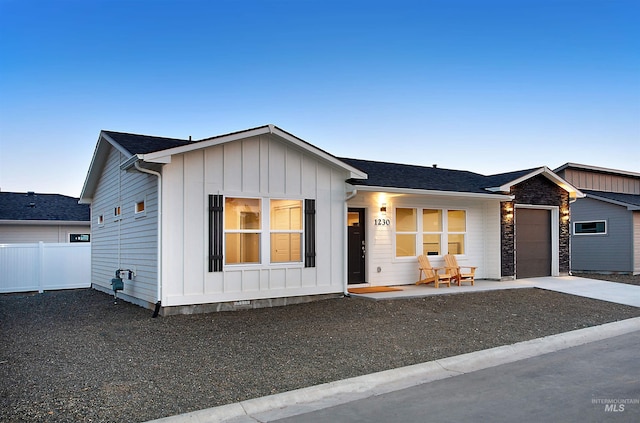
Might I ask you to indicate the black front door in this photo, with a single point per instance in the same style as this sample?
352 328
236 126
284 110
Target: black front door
356 246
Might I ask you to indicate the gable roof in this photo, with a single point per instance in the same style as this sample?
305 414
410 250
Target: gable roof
630 201
504 182
395 175
159 150
597 169
19 206
425 178
143 144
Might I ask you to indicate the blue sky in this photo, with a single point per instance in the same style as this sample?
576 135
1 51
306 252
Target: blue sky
487 86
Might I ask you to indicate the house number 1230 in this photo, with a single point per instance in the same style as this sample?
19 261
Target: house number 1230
382 222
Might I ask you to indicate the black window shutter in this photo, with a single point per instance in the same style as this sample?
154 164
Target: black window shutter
215 233
309 233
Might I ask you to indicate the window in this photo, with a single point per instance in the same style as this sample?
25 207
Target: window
140 207
101 219
406 231
430 227
286 231
79 238
236 227
242 224
456 229
590 228
116 211
431 232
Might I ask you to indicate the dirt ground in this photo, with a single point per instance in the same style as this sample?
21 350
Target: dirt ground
75 356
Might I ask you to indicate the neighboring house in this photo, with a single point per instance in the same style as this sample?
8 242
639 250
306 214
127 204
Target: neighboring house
606 223
53 218
260 217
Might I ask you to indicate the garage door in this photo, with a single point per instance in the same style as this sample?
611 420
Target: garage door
533 243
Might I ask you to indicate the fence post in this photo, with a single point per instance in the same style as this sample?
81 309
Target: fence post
40 266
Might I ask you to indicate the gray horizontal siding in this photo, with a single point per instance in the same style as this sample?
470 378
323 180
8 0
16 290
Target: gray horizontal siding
612 252
130 241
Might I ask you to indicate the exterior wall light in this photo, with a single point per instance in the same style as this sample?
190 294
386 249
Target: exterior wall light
383 208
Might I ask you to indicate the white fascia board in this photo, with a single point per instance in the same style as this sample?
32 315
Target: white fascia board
413 191
46 222
547 173
353 172
98 159
164 156
115 144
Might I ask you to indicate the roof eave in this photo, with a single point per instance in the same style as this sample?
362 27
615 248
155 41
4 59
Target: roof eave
164 156
547 173
46 222
415 191
97 161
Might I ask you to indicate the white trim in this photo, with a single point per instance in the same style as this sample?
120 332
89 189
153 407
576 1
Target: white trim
606 227
164 156
547 173
414 191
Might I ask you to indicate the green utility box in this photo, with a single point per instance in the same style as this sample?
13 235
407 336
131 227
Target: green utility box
117 284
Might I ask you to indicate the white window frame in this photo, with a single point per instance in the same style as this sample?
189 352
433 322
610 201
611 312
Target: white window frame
444 234
143 212
606 227
300 231
260 231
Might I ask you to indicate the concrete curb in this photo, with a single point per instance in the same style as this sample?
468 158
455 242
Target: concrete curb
300 401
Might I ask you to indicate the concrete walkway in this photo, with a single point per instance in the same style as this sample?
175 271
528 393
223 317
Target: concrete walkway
301 401
600 290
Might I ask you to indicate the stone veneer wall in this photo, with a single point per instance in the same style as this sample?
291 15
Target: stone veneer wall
536 191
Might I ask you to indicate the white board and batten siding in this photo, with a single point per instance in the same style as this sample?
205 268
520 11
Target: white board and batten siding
482 237
261 167
130 240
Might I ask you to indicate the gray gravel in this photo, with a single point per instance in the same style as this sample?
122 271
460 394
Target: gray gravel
75 356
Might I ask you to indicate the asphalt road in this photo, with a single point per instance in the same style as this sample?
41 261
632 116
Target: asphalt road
595 382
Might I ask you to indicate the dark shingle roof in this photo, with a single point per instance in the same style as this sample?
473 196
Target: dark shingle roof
32 206
631 199
144 144
417 177
499 179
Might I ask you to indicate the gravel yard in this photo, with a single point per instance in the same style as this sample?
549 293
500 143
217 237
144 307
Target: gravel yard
75 356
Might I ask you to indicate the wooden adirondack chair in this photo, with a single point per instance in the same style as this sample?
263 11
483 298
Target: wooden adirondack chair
431 274
456 272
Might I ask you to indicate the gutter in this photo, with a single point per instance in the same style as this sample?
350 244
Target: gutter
159 252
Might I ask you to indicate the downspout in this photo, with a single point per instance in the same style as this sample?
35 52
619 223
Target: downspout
345 289
159 252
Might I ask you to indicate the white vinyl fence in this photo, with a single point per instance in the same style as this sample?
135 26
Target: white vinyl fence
43 267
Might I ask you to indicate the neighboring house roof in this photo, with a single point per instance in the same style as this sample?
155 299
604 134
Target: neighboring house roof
30 206
630 201
596 169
